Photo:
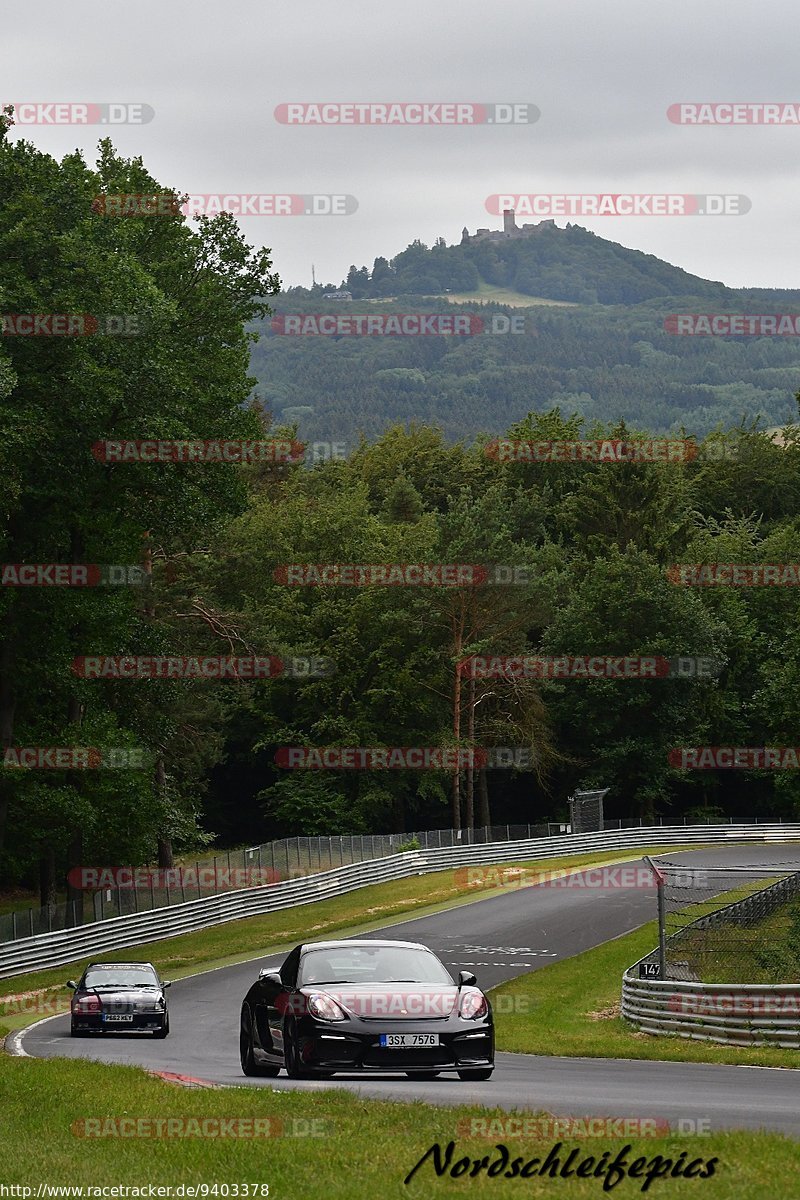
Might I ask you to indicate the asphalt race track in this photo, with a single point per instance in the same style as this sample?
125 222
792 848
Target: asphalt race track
497 938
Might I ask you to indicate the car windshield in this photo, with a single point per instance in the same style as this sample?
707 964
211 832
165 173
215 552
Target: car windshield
371 964
125 977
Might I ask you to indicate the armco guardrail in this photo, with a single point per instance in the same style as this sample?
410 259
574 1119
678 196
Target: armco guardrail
230 870
56 949
739 1014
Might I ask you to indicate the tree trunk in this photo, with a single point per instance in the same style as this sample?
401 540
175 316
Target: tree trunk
7 706
47 877
398 814
470 804
485 817
165 859
75 895
77 779
455 808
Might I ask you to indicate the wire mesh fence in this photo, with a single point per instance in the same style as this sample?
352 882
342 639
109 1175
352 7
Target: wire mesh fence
722 924
112 891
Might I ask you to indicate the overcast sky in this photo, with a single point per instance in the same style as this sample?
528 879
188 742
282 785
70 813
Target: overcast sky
603 77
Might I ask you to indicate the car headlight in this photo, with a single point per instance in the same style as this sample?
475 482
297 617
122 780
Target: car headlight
86 1004
325 1008
473 1005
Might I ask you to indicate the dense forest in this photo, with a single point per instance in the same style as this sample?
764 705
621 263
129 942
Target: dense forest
605 350
596 541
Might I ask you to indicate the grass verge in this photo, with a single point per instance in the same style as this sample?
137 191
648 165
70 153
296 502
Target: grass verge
505 295
358 1149
572 1008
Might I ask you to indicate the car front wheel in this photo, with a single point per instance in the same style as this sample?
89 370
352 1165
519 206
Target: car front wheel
246 1050
291 1053
163 1031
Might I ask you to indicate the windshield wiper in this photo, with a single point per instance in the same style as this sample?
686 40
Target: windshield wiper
105 987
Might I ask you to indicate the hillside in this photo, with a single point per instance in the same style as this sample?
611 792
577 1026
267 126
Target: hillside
595 342
552 262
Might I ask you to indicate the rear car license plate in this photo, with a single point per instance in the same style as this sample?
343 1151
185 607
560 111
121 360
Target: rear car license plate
118 1016
409 1039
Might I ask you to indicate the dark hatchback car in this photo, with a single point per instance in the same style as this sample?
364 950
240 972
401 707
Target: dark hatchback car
365 1006
119 997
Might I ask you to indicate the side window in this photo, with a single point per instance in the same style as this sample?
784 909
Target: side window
288 971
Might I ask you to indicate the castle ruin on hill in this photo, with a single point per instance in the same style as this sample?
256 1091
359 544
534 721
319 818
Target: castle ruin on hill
510 230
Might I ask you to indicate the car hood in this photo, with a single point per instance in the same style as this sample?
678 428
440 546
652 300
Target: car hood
396 1001
141 998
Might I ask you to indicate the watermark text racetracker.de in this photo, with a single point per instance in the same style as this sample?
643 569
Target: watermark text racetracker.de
214 450
210 876
618 204
733 324
454 575
40 112
728 1004
70 325
231 450
203 667
587 666
735 758
403 758
606 450
728 574
192 1127
77 758
734 112
419 324
73 575
236 204
384 113
628 877
562 1128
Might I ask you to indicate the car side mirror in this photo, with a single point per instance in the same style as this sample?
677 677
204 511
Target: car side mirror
72 984
167 983
267 976
466 978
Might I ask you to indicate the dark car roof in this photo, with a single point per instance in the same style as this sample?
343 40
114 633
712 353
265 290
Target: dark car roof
342 942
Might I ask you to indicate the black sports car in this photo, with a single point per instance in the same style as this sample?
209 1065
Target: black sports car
114 997
356 1006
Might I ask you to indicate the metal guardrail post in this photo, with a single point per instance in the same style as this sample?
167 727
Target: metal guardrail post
662 930
662 926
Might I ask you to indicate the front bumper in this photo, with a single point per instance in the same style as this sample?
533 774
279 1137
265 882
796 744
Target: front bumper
356 1047
94 1022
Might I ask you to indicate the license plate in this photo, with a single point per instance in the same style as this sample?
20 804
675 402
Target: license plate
118 1016
409 1039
